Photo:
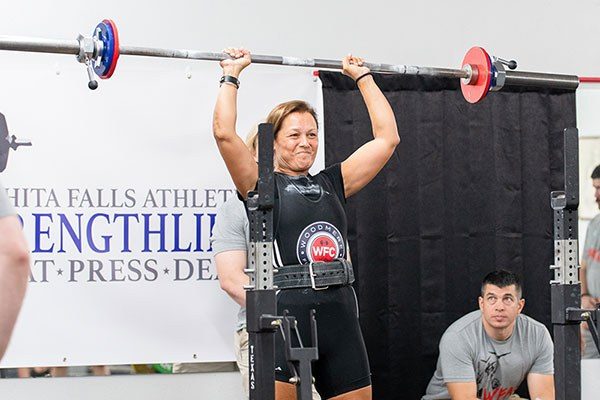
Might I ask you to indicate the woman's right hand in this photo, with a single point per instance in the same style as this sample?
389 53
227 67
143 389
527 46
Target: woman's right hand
353 67
240 59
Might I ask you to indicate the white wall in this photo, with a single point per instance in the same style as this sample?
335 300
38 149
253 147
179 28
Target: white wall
588 123
542 35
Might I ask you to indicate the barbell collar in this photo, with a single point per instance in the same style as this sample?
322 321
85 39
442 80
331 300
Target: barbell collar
499 78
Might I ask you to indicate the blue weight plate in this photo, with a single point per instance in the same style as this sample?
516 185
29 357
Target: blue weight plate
104 33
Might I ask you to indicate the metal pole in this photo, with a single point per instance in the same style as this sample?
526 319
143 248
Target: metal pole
565 289
261 301
516 78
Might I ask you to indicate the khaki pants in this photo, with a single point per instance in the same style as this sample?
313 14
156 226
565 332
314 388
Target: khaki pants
241 356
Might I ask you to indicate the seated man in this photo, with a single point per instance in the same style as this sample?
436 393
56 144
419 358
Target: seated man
488 353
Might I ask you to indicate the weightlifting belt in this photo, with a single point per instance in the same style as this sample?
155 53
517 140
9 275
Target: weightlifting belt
316 275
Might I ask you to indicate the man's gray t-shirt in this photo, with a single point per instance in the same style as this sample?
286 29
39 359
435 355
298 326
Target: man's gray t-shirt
468 354
232 232
5 207
591 256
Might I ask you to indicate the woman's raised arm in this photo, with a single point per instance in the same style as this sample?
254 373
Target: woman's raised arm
238 158
366 162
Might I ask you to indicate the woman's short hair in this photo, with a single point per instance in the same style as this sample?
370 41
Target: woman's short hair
281 111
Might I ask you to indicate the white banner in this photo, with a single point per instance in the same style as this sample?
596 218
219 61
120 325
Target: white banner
118 195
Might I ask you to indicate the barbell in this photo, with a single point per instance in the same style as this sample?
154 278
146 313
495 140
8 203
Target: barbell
479 73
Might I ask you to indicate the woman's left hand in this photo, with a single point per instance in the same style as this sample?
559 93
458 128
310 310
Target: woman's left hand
353 67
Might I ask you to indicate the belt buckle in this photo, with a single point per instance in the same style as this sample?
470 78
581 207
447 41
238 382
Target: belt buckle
312 275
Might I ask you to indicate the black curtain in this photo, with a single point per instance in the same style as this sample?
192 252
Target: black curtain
467 191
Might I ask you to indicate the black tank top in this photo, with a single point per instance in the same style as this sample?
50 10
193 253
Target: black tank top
309 217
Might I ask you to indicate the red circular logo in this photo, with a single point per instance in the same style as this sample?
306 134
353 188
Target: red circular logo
320 242
323 248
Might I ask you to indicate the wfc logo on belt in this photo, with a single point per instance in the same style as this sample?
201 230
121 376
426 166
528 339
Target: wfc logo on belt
320 241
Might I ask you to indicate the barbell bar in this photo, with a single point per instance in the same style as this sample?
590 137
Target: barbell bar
479 73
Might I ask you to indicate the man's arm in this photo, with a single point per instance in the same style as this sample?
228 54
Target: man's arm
457 366
583 276
541 387
14 272
589 248
462 390
587 301
230 268
540 379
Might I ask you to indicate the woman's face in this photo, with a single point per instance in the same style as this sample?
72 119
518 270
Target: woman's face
296 144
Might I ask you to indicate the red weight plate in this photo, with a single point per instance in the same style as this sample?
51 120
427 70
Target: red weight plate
479 86
116 53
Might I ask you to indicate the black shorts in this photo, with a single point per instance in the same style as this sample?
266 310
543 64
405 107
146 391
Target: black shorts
343 364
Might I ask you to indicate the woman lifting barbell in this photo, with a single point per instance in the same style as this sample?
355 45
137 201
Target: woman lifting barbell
309 218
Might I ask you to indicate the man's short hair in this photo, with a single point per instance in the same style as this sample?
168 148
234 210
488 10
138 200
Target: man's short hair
502 278
596 172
